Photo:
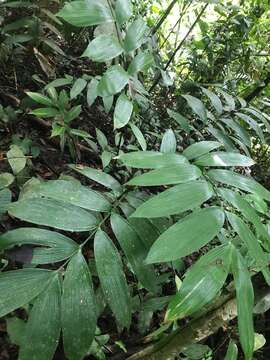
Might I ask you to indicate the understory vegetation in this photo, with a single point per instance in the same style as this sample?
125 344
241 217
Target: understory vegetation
134 179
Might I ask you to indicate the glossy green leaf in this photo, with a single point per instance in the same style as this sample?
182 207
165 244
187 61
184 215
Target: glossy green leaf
107 103
252 123
78 309
16 159
202 283
5 200
53 213
180 119
92 92
25 283
168 143
45 112
197 106
103 48
51 246
214 99
224 139
72 193
175 200
242 182
39 98
175 174
135 35
245 303
6 179
123 11
252 244
97 176
151 159
245 209
222 158
42 330
113 81
142 62
135 251
147 232
112 278
198 149
139 136
239 130
77 88
232 351
122 112
85 13
187 235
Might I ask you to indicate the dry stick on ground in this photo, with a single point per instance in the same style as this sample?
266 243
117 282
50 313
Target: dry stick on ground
195 331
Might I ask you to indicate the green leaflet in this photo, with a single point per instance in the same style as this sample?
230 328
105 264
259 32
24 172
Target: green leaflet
6 179
175 200
85 13
113 81
232 351
25 283
98 176
135 251
135 35
123 11
42 330
52 246
53 213
167 176
197 106
187 235
78 309
16 159
245 209
242 182
168 144
72 193
214 99
180 119
222 158
39 98
200 148
122 112
202 283
147 232
151 159
103 48
252 123
92 92
5 200
112 278
77 88
142 62
222 138
245 303
139 136
45 112
252 244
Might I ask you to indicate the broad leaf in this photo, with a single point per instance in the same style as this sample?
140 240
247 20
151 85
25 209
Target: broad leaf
167 176
200 148
6 179
142 62
197 106
42 330
168 144
72 193
25 283
139 136
16 159
85 13
180 119
78 309
175 200
113 81
39 98
5 200
222 158
92 92
112 278
51 246
97 176
245 303
77 88
103 48
214 99
232 351
122 112
242 182
135 35
202 283
53 213
135 251
187 235
151 159
45 112
123 11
